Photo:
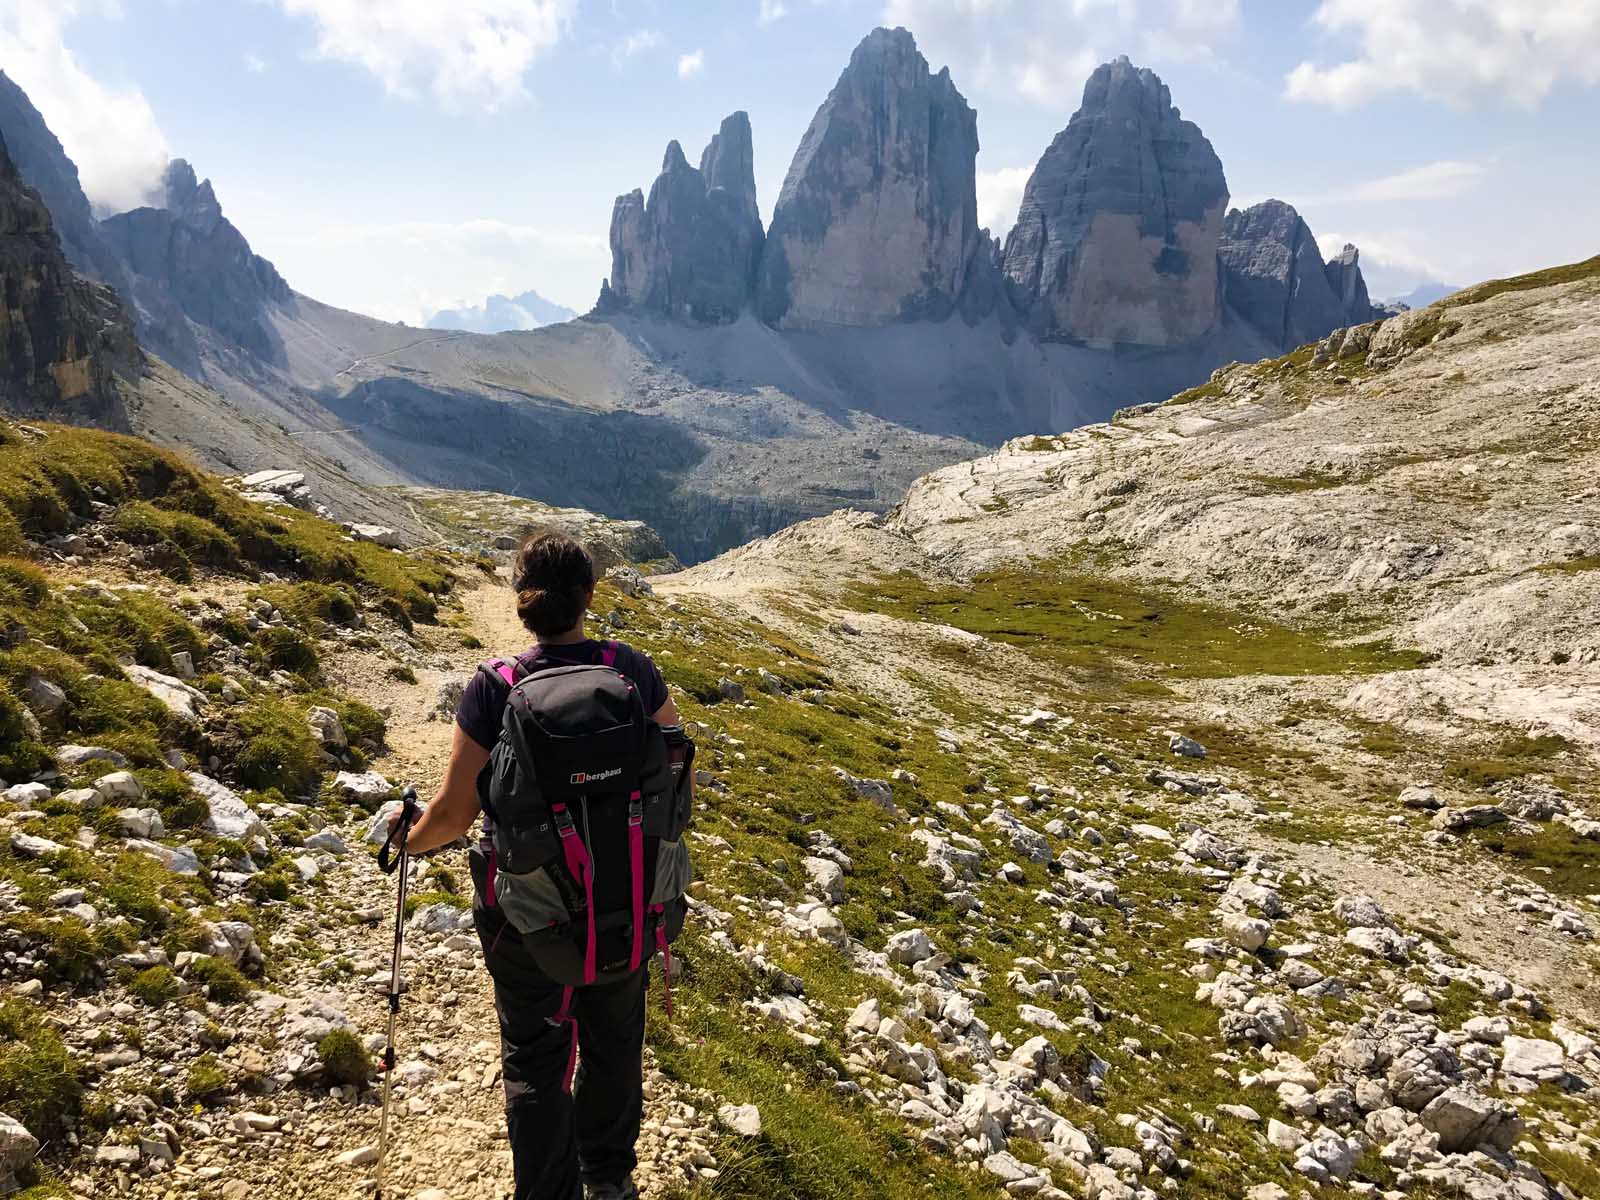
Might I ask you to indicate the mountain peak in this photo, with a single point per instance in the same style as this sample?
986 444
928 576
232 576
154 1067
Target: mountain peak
729 161
674 159
892 148
1117 237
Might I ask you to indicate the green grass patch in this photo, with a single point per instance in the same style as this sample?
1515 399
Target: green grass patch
270 745
206 1082
1069 617
1576 565
49 486
1578 272
313 606
1553 856
223 981
344 1059
155 986
41 1084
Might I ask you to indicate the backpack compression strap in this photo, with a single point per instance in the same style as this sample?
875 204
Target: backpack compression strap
636 866
581 867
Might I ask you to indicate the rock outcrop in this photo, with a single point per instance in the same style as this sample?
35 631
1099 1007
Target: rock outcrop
1274 276
1344 277
62 337
188 255
690 251
877 221
1117 236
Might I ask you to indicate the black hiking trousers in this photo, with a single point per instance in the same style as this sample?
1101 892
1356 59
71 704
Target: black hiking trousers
566 1130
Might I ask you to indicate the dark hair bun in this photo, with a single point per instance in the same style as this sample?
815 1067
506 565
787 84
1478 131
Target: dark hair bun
554 578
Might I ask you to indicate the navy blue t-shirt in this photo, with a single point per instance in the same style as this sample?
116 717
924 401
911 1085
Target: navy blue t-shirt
483 704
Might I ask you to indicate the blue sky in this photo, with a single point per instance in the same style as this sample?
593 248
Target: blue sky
397 156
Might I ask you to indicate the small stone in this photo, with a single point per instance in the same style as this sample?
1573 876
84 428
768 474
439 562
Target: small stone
1416 1000
1185 746
29 846
327 841
742 1119
327 728
365 1156
908 946
1248 933
26 795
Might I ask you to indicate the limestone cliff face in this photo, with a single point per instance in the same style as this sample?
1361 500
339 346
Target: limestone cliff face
1274 276
877 221
188 256
62 337
690 251
1117 237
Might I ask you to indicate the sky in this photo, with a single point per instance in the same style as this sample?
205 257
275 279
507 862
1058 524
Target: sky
400 156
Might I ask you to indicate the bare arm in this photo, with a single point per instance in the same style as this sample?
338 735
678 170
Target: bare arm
667 714
455 805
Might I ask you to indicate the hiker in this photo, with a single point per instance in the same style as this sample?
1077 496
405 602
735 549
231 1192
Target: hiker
584 786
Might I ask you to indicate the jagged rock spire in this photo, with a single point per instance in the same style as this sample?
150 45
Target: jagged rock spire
690 250
877 221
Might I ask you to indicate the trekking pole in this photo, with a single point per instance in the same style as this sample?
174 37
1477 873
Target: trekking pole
388 864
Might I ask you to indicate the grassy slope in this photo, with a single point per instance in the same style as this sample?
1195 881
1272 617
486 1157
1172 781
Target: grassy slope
161 514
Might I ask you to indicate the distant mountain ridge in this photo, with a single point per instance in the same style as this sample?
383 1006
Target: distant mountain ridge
498 314
733 378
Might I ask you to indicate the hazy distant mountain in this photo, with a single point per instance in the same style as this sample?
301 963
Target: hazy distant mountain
1425 294
500 313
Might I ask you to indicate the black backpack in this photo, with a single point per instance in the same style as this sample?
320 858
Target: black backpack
587 800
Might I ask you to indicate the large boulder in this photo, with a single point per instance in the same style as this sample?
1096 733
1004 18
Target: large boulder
182 701
1117 238
690 251
17 1145
1465 1119
877 221
1274 276
228 816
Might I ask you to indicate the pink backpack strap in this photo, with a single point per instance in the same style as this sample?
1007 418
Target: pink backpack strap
505 668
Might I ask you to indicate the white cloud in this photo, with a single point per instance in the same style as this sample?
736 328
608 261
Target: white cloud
772 10
111 135
461 52
691 64
409 270
637 42
1455 51
1431 181
1391 260
1044 51
1000 196
254 63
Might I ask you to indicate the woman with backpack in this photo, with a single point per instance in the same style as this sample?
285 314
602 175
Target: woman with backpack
573 754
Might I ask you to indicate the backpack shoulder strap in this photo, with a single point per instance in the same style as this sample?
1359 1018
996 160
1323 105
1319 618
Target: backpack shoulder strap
503 670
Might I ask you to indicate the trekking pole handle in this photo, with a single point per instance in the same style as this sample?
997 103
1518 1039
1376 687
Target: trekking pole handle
394 846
